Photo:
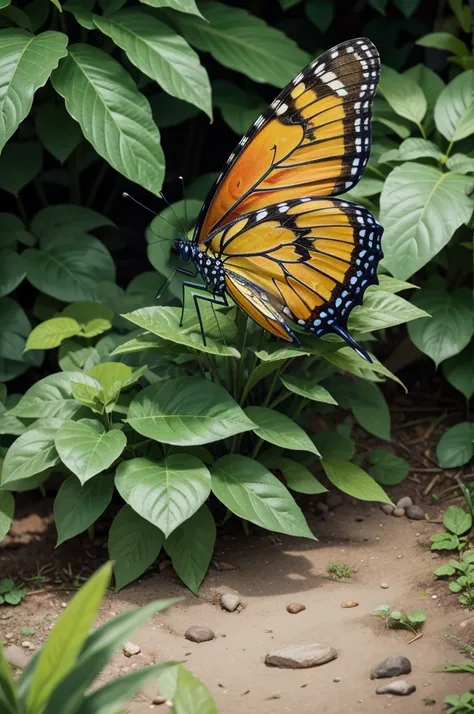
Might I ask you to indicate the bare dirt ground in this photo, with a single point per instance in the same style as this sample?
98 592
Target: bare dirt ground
270 573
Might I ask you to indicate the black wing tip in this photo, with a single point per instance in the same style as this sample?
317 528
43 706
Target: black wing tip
342 332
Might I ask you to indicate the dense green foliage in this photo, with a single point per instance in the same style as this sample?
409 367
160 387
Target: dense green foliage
100 383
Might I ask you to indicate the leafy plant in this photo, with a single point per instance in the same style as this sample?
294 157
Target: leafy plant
10 594
59 676
458 524
463 569
396 619
337 571
462 704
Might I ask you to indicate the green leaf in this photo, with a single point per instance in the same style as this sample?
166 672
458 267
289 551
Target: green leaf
420 208
164 322
364 188
192 696
320 13
460 163
134 545
30 454
297 476
190 547
387 468
93 317
444 41
454 110
168 111
61 219
407 7
381 310
51 333
449 329
114 116
403 94
462 13
87 448
459 371
444 541
82 12
65 641
244 43
278 429
239 108
51 397
417 617
14 326
366 401
455 587
383 114
90 395
77 506
12 230
247 489
12 271
456 520
19 164
7 509
58 133
413 148
305 388
26 62
430 82
187 412
352 480
456 447
333 444
167 493
157 51
188 6
69 270
444 570
73 355
347 360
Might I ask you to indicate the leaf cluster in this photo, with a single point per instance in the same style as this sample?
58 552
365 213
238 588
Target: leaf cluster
463 572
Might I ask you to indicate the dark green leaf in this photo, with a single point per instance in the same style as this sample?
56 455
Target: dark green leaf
12 271
19 164
58 133
456 446
30 454
190 547
87 449
7 509
334 445
456 520
321 13
297 476
77 506
51 397
61 219
459 371
307 389
278 429
387 468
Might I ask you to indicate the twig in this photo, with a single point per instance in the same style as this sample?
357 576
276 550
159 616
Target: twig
417 637
431 484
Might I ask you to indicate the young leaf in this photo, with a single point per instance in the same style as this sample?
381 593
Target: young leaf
87 449
306 388
166 493
413 148
77 506
456 520
160 53
58 133
444 541
187 411
7 509
354 481
192 696
297 476
190 547
456 447
93 317
387 468
134 545
381 310
51 333
444 41
459 371
403 94
247 489
51 397
460 163
30 454
114 116
278 429
454 110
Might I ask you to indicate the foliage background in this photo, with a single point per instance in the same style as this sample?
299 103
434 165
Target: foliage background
118 95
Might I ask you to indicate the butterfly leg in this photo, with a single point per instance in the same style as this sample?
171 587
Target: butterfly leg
212 299
170 277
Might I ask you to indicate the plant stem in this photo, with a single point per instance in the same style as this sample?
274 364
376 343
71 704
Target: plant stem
257 448
40 192
303 403
74 187
422 130
22 211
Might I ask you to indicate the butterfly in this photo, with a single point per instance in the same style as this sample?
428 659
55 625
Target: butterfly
270 234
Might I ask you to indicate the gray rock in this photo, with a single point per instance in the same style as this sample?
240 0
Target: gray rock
393 666
404 502
387 508
398 512
321 507
400 687
16 656
196 633
300 656
230 601
415 513
334 500
295 607
129 649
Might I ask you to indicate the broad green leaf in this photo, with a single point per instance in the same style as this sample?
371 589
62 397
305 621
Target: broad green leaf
91 395
456 446
431 84
190 547
77 505
297 476
113 374
412 148
164 322
454 110
188 6
444 41
73 355
87 448
26 62
62 218
12 271
352 480
8 699
275 353
157 51
58 133
65 640
334 445
459 371
114 116
278 429
51 333
387 468
167 493
384 114
307 389
379 5
93 317
192 696
134 545
366 401
69 270
460 163
403 94
19 165
407 7
239 107
30 454
320 13
444 541
51 397
82 12
391 285
169 111
347 360
420 209
14 326
366 187
381 310
250 491
449 329
456 520
12 230
7 509
244 43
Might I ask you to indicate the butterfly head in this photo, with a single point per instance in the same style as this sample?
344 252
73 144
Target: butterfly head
185 249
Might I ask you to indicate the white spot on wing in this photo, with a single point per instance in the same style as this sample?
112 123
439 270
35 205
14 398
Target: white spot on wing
281 109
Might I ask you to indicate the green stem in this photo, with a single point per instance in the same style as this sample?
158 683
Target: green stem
376 171
98 180
281 398
74 187
40 191
272 387
448 150
22 211
257 448
422 130
303 403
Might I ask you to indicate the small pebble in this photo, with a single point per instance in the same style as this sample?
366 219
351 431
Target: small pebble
230 601
321 507
404 502
295 607
387 508
268 631
334 500
384 586
9 636
400 687
159 700
169 703
392 666
398 512
350 603
415 513
26 644
129 649
64 604
197 633
336 679
434 597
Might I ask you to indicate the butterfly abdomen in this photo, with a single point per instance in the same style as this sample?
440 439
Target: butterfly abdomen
211 269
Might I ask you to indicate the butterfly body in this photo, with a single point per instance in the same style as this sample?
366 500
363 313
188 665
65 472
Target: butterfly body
271 235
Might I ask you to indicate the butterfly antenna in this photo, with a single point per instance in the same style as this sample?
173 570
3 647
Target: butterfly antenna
179 225
184 201
127 195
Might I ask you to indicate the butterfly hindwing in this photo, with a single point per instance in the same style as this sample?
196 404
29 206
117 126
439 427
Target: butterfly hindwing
314 139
